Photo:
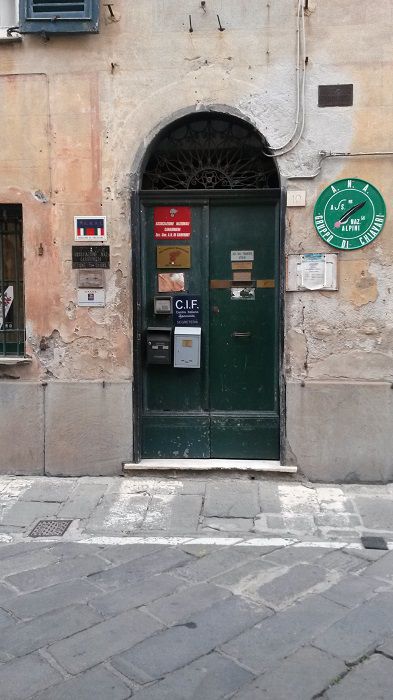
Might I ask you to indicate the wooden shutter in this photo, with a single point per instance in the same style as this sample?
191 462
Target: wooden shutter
59 16
63 9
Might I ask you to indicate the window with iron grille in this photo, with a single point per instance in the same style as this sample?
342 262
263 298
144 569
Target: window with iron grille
61 16
12 324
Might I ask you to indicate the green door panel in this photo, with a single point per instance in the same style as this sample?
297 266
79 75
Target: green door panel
243 332
179 437
167 388
244 436
229 408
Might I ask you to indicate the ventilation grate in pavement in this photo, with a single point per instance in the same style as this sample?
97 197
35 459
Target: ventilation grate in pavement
50 528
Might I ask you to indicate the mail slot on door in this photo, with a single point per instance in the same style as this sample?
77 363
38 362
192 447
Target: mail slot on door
187 347
159 346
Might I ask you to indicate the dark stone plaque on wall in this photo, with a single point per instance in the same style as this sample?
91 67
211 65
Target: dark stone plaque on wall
85 257
335 95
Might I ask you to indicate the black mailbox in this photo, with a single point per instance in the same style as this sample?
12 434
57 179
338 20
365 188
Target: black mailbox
159 346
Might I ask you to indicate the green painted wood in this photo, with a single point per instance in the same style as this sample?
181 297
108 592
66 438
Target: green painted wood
244 436
244 370
176 436
229 408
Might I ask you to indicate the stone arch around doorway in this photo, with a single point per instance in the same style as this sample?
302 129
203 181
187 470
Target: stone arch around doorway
157 132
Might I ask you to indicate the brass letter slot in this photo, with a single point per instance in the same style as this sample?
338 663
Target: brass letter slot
226 284
238 334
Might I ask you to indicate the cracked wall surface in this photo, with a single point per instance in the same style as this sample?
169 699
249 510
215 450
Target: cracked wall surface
78 114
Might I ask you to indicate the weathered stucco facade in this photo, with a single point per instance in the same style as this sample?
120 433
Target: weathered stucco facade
78 114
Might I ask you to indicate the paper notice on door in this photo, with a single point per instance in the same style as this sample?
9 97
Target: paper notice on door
313 271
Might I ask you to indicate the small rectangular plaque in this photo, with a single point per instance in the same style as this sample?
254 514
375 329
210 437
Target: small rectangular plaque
172 223
187 310
296 198
241 265
86 257
173 256
244 276
241 255
89 228
90 278
335 95
91 297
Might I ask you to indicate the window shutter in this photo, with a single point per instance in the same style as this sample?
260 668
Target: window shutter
59 16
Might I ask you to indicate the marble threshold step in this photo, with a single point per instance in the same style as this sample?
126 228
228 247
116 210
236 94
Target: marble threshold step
252 465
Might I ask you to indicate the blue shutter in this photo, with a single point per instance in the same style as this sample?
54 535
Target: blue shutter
59 16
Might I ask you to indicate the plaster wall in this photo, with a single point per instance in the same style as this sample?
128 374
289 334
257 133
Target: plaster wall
77 115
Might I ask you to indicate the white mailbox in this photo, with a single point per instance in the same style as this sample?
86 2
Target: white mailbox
187 347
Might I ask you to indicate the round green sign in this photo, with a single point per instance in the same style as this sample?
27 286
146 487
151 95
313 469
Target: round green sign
349 214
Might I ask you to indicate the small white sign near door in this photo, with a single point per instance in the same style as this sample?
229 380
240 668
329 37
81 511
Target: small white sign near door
241 255
91 297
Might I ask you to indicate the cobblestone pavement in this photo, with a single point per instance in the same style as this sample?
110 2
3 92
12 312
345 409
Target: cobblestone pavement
193 589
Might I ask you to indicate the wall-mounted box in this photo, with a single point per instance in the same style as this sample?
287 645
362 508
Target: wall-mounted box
187 347
91 297
312 272
159 346
162 305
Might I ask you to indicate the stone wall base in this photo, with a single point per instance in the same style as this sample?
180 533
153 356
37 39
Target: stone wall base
336 431
65 429
341 431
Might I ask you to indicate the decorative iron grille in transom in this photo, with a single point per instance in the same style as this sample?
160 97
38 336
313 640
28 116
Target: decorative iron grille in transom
210 152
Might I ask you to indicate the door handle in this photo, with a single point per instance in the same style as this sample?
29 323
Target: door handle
238 334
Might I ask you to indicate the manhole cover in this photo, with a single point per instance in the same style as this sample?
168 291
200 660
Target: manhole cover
374 542
50 528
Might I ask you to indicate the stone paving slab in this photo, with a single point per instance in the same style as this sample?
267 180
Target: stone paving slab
164 635
278 636
372 680
173 648
211 677
20 678
96 684
360 631
301 676
105 639
265 506
274 603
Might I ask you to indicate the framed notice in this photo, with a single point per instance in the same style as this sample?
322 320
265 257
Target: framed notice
172 223
90 228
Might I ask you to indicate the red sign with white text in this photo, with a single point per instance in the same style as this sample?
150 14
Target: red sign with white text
172 223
